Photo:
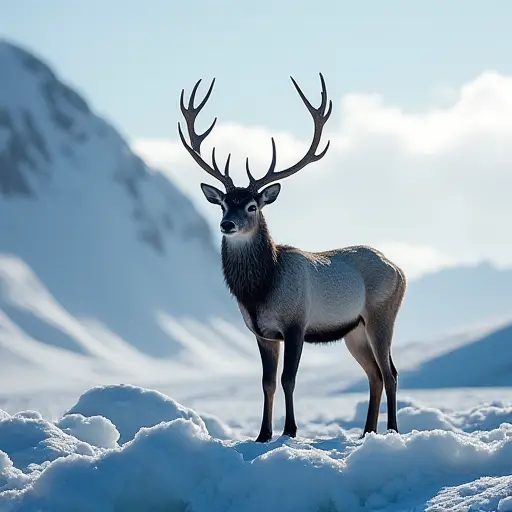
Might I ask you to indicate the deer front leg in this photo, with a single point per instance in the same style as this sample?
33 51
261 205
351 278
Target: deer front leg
269 352
293 343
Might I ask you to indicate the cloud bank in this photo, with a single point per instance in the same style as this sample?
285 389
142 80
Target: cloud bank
431 188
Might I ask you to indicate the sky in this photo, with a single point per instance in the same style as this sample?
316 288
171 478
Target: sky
420 160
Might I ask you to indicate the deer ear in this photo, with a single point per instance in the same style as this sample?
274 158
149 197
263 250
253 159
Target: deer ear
269 195
212 194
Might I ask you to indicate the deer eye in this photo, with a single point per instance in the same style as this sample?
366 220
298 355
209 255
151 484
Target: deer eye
251 208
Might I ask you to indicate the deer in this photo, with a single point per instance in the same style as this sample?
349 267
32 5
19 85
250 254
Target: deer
289 296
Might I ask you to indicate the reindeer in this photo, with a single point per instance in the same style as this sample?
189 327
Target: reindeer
290 295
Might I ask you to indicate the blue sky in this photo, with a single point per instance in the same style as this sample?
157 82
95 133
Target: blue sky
132 58
420 159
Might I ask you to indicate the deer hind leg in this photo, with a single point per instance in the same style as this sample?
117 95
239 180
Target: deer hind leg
269 352
360 349
379 332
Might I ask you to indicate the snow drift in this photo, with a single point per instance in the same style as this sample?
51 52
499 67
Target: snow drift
167 459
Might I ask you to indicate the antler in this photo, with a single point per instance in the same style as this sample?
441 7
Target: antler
320 117
194 148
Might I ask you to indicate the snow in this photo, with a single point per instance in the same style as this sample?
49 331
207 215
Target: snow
505 504
130 408
95 430
425 418
105 266
29 440
162 456
425 317
472 364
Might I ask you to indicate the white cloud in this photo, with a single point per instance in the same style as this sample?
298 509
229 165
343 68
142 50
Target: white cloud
431 188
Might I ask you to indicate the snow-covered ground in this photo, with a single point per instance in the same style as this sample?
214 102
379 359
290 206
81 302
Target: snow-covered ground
126 448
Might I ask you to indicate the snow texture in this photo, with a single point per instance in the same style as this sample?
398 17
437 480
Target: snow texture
168 460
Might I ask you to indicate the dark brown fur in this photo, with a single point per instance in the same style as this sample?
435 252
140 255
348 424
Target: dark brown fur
250 269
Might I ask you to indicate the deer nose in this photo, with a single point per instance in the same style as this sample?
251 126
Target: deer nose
226 226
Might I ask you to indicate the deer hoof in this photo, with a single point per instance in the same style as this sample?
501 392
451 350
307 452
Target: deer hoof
264 437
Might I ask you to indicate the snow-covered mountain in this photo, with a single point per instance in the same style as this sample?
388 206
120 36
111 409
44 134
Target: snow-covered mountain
103 262
455 300
484 361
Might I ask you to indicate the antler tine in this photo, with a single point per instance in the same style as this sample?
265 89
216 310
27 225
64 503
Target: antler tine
320 117
190 113
194 148
253 183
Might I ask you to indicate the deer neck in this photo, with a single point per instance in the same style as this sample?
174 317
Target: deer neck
249 266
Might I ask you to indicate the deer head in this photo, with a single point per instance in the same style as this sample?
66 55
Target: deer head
241 206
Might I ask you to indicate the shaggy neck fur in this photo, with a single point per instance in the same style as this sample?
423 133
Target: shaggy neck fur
249 267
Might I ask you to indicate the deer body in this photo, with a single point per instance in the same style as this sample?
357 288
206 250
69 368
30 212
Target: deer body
325 292
289 295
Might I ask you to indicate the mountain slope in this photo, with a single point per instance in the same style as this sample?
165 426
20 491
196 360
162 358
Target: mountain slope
98 252
455 300
484 362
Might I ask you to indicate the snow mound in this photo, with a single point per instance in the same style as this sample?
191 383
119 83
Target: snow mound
130 408
95 430
177 465
486 417
423 418
215 427
505 505
412 416
28 441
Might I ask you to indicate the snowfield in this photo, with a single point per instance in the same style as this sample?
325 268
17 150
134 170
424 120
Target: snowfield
127 448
